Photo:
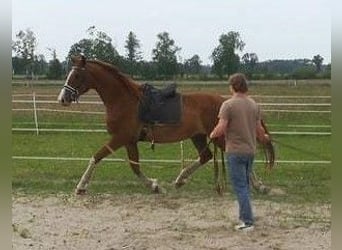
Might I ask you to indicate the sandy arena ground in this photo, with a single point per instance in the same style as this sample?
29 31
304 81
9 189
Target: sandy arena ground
111 222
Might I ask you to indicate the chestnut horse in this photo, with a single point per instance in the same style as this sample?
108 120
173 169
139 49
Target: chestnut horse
121 97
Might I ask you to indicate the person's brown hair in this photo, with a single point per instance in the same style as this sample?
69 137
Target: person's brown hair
238 81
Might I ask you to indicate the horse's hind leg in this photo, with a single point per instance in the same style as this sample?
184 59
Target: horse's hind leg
133 155
200 142
255 182
258 184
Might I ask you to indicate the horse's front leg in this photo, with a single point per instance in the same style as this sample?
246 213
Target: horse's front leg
107 149
133 157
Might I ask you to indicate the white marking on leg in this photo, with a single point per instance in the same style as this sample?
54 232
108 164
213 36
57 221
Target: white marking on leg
186 172
154 185
82 185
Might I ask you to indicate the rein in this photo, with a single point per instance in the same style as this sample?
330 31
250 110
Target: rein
127 160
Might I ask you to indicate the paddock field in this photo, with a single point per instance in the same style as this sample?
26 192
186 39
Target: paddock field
51 147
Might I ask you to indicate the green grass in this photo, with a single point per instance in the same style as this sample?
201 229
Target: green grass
298 182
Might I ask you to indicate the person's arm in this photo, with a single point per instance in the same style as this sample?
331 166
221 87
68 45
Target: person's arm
219 129
261 133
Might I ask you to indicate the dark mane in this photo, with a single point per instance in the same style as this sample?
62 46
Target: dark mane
128 82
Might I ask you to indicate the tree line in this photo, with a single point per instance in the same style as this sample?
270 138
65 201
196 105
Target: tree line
165 63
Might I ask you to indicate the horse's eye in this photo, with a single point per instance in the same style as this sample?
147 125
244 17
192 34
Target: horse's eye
76 76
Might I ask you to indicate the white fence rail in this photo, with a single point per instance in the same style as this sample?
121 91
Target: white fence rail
17 157
35 110
103 131
101 103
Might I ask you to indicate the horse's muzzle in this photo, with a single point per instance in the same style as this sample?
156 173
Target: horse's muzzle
63 98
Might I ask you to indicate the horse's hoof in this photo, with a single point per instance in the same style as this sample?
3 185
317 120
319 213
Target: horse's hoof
264 189
80 191
156 189
179 183
219 190
154 186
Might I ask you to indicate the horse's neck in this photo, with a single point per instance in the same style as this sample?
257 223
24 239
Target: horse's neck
113 92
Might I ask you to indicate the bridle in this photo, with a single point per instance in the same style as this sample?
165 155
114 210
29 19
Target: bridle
73 91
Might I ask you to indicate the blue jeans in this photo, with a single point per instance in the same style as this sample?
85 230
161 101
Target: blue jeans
239 168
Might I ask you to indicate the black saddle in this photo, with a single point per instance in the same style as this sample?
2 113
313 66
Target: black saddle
160 106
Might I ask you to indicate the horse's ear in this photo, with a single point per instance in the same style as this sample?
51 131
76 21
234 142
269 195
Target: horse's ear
83 60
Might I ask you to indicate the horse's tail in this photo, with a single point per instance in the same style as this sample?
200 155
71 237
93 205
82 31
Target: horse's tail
268 149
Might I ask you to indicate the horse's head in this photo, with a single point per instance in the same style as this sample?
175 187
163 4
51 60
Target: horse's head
77 83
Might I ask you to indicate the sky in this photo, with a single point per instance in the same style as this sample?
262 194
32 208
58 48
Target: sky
281 29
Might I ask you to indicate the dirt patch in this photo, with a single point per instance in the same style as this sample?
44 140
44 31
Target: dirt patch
110 222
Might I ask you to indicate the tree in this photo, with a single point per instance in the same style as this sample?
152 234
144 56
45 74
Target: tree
249 60
98 46
24 47
18 66
225 60
193 65
40 65
55 67
304 72
327 71
318 61
133 53
84 46
164 55
148 70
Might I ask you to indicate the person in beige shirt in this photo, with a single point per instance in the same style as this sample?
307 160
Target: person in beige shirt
240 123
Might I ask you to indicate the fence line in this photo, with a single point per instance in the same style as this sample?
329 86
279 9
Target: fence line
299 126
103 124
16 157
266 96
35 113
56 102
288 96
97 112
104 130
298 133
261 104
182 160
212 82
295 111
35 109
63 111
60 130
297 104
